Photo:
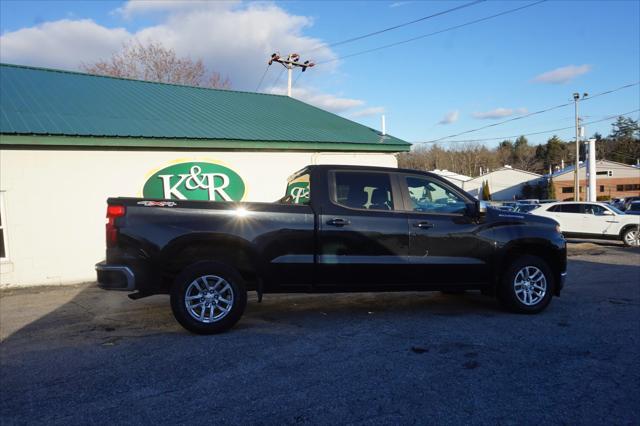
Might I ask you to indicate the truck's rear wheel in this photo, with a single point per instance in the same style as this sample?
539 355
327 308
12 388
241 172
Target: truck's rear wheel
527 285
208 297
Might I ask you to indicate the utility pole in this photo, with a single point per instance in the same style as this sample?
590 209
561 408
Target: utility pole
576 172
292 61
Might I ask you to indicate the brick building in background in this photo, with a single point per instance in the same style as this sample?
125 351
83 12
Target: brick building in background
613 180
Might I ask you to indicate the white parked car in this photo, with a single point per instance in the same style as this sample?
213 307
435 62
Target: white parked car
593 220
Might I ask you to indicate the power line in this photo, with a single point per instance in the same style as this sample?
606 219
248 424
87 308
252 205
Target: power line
275 84
386 46
534 133
262 78
395 27
626 86
520 117
296 80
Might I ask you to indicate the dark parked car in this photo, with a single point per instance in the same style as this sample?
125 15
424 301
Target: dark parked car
634 208
617 203
506 206
338 229
525 208
627 202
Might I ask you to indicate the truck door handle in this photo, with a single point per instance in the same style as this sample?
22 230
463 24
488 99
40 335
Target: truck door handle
338 222
424 225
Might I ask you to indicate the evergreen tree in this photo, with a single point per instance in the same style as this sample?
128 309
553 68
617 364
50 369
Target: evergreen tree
486 193
520 143
554 152
551 190
625 128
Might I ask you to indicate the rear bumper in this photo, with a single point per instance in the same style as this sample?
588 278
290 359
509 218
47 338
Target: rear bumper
115 277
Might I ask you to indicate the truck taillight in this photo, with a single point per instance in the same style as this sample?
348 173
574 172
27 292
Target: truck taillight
113 212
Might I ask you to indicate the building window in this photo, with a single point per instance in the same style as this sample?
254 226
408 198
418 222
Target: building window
601 188
3 227
567 190
628 187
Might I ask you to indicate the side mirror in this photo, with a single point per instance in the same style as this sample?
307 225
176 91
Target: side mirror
477 209
607 213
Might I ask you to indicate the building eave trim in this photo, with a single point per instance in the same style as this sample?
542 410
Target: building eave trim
97 142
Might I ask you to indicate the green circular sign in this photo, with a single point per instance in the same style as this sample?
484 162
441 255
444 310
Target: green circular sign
299 192
195 181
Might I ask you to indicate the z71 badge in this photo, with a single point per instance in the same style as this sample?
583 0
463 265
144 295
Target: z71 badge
157 203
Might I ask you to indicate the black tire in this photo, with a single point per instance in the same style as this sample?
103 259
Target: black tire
506 290
211 271
627 236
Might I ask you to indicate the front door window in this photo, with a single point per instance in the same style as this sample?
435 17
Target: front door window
429 196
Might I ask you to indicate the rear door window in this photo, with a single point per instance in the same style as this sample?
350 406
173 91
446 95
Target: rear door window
571 208
594 209
363 190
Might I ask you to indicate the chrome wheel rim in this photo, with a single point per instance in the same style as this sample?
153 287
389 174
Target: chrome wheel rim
209 298
530 285
632 238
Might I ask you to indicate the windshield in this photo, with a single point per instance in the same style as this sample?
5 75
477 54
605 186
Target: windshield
615 210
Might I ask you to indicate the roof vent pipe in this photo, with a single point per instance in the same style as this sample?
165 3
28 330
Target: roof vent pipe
384 126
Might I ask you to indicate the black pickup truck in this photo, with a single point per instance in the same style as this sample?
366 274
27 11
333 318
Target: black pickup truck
337 229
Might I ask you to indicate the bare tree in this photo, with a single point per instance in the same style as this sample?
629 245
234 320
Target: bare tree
154 62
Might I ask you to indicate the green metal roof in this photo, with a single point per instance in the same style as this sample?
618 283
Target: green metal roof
80 109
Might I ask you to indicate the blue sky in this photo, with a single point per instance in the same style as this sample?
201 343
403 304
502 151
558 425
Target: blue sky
430 88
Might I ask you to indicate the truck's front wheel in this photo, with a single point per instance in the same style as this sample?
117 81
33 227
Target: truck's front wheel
208 297
527 285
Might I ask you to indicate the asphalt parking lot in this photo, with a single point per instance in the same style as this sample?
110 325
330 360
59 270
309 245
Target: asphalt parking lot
79 355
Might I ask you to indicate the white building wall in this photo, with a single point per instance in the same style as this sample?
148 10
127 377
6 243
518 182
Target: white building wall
55 200
504 184
455 178
457 182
